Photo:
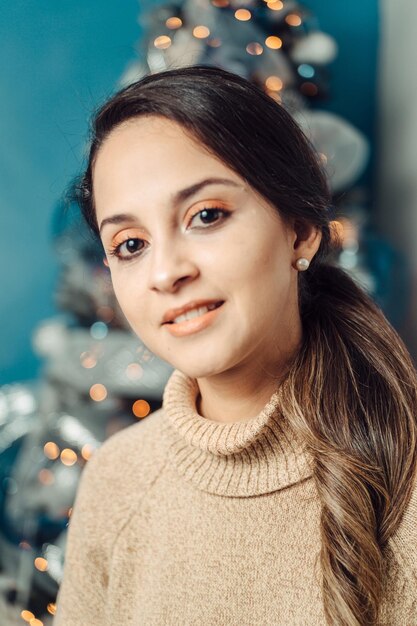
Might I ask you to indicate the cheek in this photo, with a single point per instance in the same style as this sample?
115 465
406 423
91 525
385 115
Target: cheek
131 299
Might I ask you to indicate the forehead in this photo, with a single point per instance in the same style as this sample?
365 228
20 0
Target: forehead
146 137
148 158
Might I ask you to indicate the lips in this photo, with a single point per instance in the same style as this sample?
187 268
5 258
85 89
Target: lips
171 314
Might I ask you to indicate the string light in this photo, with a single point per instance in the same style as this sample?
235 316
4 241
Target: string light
51 450
220 3
51 608
275 5
173 22
87 452
293 19
27 615
273 42
41 564
141 408
68 457
254 48
201 32
243 15
162 42
98 392
274 83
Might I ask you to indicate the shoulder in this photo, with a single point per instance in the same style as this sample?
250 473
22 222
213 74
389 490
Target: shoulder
120 472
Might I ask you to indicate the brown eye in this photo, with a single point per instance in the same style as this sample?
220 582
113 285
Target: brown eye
210 216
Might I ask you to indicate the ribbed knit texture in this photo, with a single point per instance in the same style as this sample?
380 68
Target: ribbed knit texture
182 520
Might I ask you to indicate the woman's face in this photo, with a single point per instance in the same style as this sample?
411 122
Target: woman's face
179 226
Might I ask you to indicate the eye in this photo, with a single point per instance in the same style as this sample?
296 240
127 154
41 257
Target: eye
209 216
131 245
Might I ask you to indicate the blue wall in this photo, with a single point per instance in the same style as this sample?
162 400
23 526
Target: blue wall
59 59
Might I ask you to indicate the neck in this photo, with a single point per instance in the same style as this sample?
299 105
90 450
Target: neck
239 394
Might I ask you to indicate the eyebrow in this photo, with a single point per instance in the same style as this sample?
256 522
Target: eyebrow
177 198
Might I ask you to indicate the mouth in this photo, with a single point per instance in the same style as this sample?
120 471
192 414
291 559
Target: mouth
195 313
195 320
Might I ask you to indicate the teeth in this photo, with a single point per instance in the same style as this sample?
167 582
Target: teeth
189 315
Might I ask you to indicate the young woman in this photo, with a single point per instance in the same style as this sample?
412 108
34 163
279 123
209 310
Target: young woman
276 485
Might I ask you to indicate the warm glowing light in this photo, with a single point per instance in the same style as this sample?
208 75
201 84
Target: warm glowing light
51 450
68 456
275 5
46 477
243 15
309 89
162 42
41 564
26 615
51 608
215 42
173 22
25 545
141 408
254 48
220 3
98 392
293 19
87 451
134 371
274 83
201 32
35 622
273 42
275 96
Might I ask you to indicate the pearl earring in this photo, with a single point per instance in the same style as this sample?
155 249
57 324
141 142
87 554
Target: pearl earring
302 264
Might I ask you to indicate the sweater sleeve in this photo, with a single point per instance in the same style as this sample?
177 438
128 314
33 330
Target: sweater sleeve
110 489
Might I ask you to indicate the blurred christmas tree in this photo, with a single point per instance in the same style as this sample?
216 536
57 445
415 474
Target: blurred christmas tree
98 377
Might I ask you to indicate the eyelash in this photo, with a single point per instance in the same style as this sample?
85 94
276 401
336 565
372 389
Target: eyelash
115 250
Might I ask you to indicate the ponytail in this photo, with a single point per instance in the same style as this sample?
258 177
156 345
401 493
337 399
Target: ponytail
351 392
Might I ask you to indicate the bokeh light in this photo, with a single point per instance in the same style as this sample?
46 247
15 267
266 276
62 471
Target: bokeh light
68 457
51 450
27 615
274 83
293 19
162 42
98 392
273 42
87 451
41 564
141 408
254 48
243 15
173 22
201 32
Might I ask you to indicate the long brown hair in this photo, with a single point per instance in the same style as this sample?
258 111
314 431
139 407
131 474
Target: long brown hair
351 389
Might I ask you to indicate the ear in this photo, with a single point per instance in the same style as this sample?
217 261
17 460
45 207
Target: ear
105 262
306 240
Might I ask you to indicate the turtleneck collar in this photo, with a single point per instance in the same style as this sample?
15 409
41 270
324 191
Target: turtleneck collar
248 458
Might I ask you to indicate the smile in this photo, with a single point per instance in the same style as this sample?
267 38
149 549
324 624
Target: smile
193 321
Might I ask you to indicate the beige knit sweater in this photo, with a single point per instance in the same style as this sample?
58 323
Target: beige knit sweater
183 521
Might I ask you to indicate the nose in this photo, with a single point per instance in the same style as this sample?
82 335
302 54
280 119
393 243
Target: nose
171 266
